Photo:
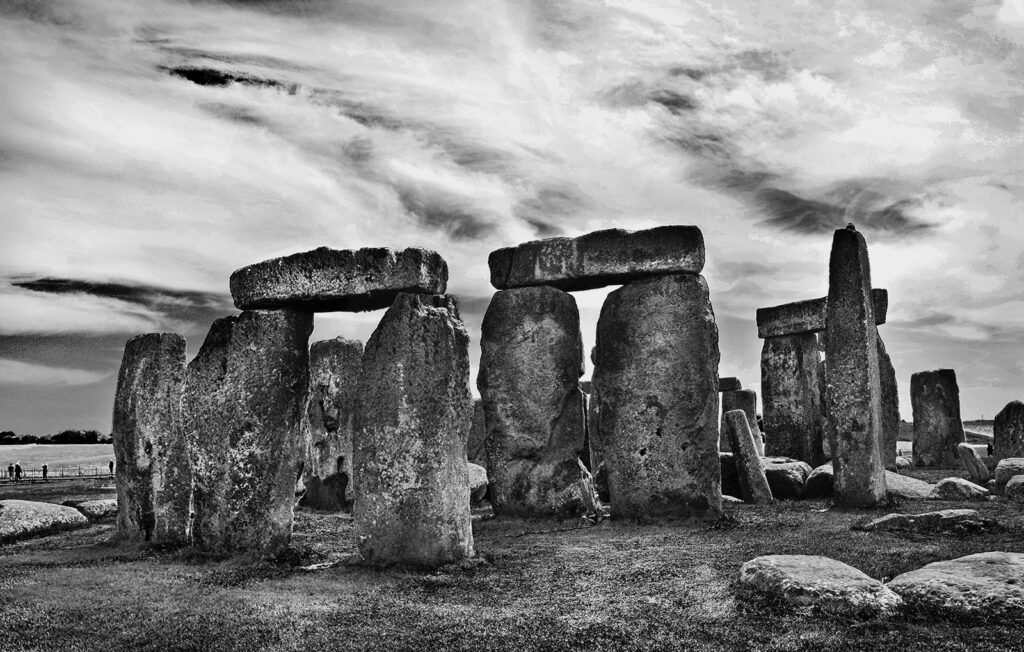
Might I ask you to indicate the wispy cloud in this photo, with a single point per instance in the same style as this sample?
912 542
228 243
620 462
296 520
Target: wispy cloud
13 372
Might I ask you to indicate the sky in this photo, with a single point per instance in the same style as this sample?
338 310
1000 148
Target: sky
148 149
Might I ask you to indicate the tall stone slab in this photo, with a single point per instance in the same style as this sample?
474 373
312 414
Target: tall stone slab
657 379
791 398
476 445
153 469
244 396
1008 431
412 421
738 399
935 400
890 407
530 365
853 393
753 482
328 422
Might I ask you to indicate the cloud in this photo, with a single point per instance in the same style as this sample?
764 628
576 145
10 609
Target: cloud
13 372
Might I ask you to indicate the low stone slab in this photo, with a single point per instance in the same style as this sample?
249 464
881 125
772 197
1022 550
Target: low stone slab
973 463
903 463
349 280
97 510
1006 469
812 581
21 519
808 316
946 520
599 259
958 489
786 477
907 488
987 586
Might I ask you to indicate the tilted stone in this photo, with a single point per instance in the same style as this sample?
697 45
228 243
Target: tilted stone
530 365
740 399
244 395
153 470
935 399
852 378
327 423
1008 431
598 259
729 384
409 448
753 483
657 379
906 487
808 316
975 466
349 280
790 395
890 407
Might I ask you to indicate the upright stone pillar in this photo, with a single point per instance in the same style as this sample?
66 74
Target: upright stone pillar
657 379
153 470
476 445
935 400
409 451
334 367
753 481
852 377
890 407
739 399
791 398
244 396
530 365
1008 431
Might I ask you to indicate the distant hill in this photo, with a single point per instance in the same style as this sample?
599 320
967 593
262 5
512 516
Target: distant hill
8 438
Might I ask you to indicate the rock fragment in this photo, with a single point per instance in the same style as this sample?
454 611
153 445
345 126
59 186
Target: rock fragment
987 586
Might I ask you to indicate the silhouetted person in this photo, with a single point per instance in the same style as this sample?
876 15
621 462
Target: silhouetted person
44 472
17 472
10 472
111 465
990 450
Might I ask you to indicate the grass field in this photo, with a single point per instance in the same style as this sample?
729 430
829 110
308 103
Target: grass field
70 456
535 585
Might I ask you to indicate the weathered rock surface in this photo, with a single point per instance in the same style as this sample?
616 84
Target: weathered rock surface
730 475
946 520
890 406
935 399
657 380
819 482
987 586
853 394
153 470
1006 469
807 580
903 463
98 510
729 384
409 449
786 477
476 445
338 279
1014 489
790 393
753 483
598 259
975 466
328 422
740 399
530 365
21 519
906 487
244 395
958 489
1008 431
477 482
808 316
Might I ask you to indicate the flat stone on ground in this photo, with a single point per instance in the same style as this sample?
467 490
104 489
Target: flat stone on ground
96 510
21 519
987 586
958 489
906 487
599 259
324 280
946 520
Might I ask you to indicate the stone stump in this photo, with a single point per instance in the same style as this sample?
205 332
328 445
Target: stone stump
935 400
657 380
334 367
409 450
153 470
740 399
753 482
790 394
242 404
975 466
853 392
1008 431
890 407
530 365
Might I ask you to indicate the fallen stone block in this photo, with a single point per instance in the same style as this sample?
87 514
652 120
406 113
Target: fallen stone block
808 316
987 587
21 519
907 488
786 477
946 520
1014 489
1006 469
975 466
958 489
819 482
98 510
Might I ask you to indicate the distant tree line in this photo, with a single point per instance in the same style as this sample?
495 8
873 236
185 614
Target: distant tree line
64 437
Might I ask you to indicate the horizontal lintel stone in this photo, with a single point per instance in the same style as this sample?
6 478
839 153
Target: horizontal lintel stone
808 316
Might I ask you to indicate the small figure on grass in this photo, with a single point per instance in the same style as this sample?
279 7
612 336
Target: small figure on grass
44 473
17 472
111 466
10 472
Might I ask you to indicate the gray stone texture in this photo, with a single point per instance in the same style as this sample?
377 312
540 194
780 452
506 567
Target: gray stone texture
243 400
476 445
530 365
808 316
599 259
852 377
1008 431
657 380
729 384
975 466
730 475
791 398
409 449
328 422
958 489
1013 490
1006 469
890 406
153 470
786 477
935 399
819 482
754 487
325 280
22 519
739 399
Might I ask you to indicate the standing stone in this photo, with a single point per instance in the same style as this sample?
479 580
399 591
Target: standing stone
753 483
244 396
975 466
476 445
852 377
791 398
890 406
327 424
740 399
1008 431
729 384
153 470
935 400
530 365
657 379
409 451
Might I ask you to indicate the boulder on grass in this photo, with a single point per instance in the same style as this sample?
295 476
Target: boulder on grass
903 463
946 520
97 510
907 488
1007 468
1014 489
21 519
819 482
958 489
786 477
